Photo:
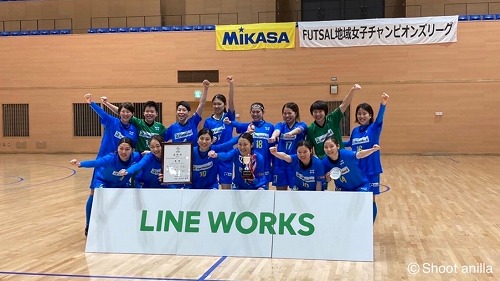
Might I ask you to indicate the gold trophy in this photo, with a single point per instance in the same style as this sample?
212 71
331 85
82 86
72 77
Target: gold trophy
247 173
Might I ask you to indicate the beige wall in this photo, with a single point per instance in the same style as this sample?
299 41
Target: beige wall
460 80
423 8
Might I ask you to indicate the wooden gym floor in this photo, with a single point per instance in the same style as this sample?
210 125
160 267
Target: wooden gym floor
440 220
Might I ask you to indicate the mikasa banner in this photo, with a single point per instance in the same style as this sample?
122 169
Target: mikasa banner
299 224
255 36
398 31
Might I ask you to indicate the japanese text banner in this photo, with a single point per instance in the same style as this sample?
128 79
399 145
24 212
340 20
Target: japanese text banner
255 36
399 31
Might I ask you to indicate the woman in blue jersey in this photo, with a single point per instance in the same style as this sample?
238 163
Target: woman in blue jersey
249 169
365 136
222 132
308 173
288 133
107 176
149 168
186 127
205 168
262 132
114 130
351 178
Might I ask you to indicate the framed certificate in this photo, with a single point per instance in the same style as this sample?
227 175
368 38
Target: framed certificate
177 162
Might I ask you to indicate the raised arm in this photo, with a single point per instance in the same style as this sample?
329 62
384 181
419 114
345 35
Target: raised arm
380 115
109 105
230 80
281 155
203 98
102 114
347 100
367 152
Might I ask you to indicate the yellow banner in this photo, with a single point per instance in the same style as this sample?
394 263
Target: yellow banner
255 36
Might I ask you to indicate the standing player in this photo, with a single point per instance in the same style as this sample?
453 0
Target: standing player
289 133
146 127
351 177
114 130
365 136
327 125
308 173
221 132
262 132
186 127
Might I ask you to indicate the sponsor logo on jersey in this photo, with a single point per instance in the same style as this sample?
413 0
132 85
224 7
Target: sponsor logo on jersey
118 135
358 141
304 178
146 135
322 138
155 171
203 167
184 134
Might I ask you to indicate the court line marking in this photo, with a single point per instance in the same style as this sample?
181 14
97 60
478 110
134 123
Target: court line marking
65 275
73 172
212 268
387 188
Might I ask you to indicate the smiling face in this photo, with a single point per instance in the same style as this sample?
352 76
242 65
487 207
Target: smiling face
363 117
204 142
289 116
182 114
257 114
245 146
319 115
331 148
125 115
218 106
304 154
155 147
124 151
150 114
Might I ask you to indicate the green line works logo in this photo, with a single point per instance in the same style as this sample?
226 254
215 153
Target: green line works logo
244 223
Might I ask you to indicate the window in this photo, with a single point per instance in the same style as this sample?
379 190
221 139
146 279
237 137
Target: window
197 76
16 120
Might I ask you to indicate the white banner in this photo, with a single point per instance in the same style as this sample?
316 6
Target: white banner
370 32
307 225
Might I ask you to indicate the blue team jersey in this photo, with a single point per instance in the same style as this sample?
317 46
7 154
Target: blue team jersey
263 131
148 170
352 178
306 177
364 137
288 145
258 168
108 167
183 133
205 169
222 132
114 131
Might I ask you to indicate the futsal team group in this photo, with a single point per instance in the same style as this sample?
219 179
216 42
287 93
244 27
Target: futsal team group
290 154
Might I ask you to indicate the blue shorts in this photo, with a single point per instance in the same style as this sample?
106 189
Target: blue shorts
225 172
374 181
283 177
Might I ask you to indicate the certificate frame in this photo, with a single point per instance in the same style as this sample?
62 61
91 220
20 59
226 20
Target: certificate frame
177 162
